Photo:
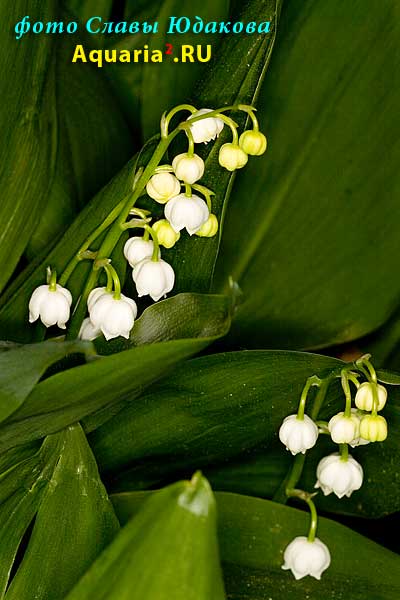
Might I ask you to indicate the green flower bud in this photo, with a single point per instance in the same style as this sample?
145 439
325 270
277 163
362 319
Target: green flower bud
365 396
373 428
163 186
232 157
210 227
167 236
253 142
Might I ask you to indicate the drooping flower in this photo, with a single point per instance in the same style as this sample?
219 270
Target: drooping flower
373 428
306 558
364 399
153 278
52 306
186 212
232 157
344 429
114 317
188 169
338 475
163 186
358 441
206 129
166 234
253 142
298 435
87 331
136 249
209 228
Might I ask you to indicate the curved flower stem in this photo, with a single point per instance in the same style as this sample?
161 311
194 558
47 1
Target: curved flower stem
116 230
294 474
66 274
189 134
53 280
167 119
154 237
233 126
306 497
111 272
314 380
188 190
250 111
347 392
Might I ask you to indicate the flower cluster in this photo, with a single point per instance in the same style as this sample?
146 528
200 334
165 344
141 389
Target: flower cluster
338 473
187 207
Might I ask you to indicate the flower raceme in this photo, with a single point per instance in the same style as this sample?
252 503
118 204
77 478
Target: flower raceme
108 311
303 557
298 435
52 306
339 475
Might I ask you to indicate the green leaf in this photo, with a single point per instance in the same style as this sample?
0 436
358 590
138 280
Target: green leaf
209 409
75 521
169 550
90 124
222 413
118 378
253 535
320 244
21 369
228 80
170 83
28 126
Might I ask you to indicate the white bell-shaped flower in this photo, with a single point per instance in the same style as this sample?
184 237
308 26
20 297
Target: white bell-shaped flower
52 306
206 129
186 212
344 429
87 331
163 186
137 249
95 295
188 168
298 435
364 399
153 278
306 558
338 475
113 317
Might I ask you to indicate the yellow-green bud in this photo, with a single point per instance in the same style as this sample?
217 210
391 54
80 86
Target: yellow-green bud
373 428
163 186
253 142
365 396
210 227
167 236
232 157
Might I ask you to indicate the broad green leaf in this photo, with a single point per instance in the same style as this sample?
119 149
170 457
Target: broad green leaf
209 409
319 242
21 369
384 345
230 79
222 413
29 128
169 550
75 521
93 143
115 379
253 535
169 83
